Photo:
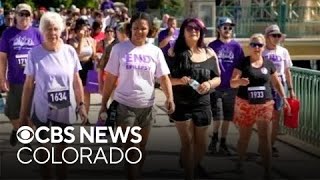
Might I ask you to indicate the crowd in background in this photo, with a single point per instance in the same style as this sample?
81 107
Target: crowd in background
130 54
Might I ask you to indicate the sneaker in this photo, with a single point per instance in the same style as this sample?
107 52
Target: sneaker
13 138
213 147
223 149
275 152
201 172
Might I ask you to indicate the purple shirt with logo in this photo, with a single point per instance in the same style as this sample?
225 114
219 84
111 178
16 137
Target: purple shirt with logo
106 5
16 44
229 55
163 34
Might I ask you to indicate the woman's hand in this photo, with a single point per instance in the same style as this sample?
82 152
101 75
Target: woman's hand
185 80
170 106
244 81
204 87
83 115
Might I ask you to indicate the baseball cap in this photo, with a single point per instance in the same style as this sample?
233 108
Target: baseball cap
272 29
224 20
24 7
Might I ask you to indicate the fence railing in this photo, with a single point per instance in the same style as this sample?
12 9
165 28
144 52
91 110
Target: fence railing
295 21
307 88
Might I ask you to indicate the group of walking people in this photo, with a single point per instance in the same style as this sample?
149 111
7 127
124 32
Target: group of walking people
46 79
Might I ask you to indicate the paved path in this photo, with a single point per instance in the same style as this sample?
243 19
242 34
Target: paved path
163 154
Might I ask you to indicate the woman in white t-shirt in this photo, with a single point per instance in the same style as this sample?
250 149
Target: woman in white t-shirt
58 91
134 64
282 61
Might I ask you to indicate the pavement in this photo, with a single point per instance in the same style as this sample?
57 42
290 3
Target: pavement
163 154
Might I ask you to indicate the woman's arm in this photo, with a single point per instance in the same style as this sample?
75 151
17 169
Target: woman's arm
180 81
167 89
107 89
78 88
28 88
236 79
78 91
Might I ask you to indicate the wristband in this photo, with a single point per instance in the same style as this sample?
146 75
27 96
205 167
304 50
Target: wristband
290 88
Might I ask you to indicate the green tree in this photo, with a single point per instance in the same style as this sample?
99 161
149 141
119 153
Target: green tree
172 7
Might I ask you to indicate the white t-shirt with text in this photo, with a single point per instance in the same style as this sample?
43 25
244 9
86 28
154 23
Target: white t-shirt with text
136 68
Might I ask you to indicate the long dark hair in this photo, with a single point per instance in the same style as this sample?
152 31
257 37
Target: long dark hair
182 62
138 16
181 45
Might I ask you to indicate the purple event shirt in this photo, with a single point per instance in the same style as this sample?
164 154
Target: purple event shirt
163 34
229 55
16 44
106 5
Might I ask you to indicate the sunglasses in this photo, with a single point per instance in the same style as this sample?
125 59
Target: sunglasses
109 31
276 35
24 14
256 44
190 28
227 28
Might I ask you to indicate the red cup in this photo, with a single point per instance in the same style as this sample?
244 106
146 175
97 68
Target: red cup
292 120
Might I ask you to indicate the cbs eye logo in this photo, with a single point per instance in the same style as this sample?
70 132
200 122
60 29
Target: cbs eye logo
25 134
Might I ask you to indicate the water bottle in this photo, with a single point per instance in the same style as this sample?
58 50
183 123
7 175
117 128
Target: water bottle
194 84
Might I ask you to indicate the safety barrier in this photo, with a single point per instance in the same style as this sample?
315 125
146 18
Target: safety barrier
307 87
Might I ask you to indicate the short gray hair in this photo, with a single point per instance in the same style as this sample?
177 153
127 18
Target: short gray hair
51 18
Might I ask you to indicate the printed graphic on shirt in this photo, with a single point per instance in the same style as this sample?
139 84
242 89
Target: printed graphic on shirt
138 62
22 42
277 61
226 57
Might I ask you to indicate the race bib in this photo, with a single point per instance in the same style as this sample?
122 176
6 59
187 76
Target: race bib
22 59
59 98
256 95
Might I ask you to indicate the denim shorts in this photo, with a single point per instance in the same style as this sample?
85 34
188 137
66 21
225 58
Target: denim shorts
278 101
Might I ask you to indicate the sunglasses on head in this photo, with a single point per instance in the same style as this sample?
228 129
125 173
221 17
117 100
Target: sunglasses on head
24 14
259 45
227 28
190 28
276 35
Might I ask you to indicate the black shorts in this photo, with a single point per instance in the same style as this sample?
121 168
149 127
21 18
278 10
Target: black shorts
83 73
200 114
222 104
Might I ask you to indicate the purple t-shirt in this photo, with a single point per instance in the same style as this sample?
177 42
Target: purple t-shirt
106 5
163 34
54 74
16 44
229 55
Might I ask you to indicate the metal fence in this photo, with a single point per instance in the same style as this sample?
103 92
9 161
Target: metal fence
307 88
295 21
